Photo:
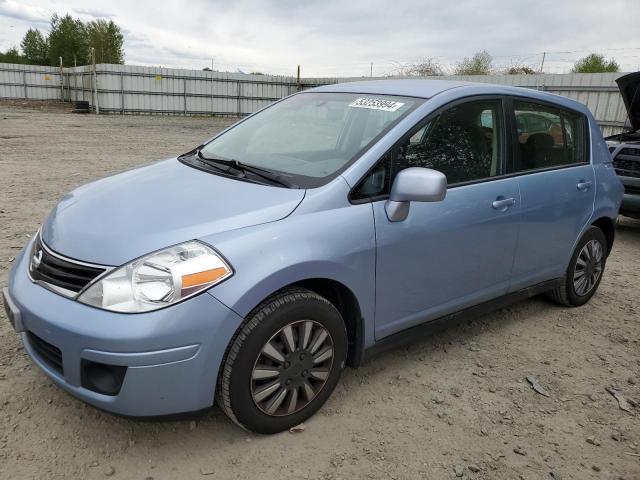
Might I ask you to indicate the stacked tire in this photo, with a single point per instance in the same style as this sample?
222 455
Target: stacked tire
81 106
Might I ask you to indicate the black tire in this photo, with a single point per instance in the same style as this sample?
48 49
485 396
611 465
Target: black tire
235 391
81 106
566 294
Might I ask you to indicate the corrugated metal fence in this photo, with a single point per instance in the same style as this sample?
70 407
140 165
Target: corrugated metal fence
132 89
30 82
152 90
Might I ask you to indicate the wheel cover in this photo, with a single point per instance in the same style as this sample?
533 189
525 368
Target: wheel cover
588 268
292 368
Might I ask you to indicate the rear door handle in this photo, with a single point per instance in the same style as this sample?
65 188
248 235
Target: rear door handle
502 203
584 186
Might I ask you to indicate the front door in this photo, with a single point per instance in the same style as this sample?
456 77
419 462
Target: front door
446 255
451 254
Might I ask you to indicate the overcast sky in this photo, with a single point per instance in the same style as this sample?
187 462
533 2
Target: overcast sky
333 38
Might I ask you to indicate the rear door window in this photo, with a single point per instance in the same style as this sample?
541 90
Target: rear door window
548 137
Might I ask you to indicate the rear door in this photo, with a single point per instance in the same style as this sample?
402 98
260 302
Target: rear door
557 188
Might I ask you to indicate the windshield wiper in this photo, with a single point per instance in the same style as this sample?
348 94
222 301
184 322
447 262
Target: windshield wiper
243 167
200 157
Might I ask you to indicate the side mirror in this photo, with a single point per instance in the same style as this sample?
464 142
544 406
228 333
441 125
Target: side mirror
414 184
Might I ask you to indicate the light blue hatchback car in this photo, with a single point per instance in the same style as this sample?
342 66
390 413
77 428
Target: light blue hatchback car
331 225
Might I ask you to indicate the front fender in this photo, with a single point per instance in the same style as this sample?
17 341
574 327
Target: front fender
336 244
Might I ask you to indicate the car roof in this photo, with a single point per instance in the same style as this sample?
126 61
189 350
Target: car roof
422 88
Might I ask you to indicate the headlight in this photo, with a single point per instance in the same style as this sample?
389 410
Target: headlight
158 279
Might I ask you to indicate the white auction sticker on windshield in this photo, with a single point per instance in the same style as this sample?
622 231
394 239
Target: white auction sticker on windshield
376 104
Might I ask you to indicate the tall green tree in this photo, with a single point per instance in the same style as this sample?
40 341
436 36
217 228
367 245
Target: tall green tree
595 63
480 64
68 38
35 48
11 56
107 39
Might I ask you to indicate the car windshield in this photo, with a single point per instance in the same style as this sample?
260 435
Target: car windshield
309 138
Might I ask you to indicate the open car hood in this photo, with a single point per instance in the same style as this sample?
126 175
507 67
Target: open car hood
629 86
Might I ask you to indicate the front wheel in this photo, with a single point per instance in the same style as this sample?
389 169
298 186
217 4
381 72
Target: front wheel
284 362
585 270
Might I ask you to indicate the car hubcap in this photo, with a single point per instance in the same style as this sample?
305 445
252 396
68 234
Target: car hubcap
588 268
292 368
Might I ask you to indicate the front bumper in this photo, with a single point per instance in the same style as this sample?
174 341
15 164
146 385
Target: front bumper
172 356
631 201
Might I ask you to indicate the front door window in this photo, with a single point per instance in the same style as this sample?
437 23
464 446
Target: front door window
463 142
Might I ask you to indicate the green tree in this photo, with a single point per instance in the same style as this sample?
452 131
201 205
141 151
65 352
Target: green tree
480 64
595 63
67 38
35 48
107 39
11 56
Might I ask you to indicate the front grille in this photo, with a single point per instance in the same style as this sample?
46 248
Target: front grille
632 190
50 355
627 162
60 272
634 152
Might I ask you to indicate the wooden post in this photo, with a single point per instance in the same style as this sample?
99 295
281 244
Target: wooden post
239 92
121 93
95 80
61 81
24 82
75 79
184 92
544 55
298 79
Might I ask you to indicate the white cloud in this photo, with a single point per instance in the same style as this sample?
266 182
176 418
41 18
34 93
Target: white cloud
93 12
20 11
334 37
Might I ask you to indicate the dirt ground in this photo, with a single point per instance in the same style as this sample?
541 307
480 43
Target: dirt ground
458 400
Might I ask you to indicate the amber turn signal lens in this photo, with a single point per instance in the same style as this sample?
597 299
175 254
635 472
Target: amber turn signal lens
202 278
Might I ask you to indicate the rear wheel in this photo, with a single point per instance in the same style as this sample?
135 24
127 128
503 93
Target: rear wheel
284 363
585 270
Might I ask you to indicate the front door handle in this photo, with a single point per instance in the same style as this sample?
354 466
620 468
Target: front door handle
503 204
583 186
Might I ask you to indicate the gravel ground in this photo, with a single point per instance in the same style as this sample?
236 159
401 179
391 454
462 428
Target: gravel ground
455 403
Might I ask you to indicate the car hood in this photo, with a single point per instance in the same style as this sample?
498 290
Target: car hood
629 86
119 218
